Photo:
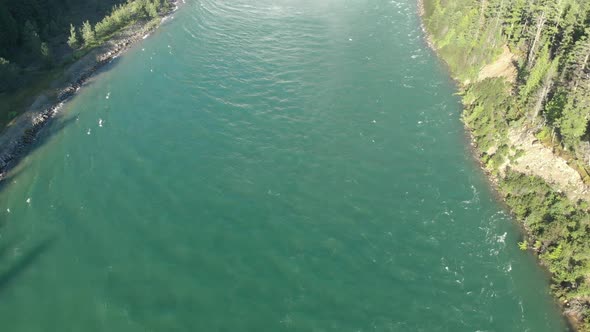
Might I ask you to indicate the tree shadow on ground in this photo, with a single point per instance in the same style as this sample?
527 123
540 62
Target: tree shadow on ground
24 261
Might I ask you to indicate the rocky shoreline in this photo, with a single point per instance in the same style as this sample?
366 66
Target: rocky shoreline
16 139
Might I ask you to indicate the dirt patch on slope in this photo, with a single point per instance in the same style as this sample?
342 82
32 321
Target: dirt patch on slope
503 67
539 160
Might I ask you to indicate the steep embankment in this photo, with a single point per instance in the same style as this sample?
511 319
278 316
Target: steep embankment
525 79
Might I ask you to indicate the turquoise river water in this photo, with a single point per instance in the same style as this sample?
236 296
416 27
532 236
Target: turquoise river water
270 165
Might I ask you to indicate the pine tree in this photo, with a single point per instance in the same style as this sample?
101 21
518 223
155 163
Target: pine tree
152 8
574 121
46 55
31 38
88 34
579 62
513 19
8 30
73 39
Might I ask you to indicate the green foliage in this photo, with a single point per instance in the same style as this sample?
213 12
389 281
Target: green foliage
544 134
465 37
537 73
554 109
73 41
152 8
556 253
574 120
31 39
88 34
485 113
524 245
46 54
125 14
8 30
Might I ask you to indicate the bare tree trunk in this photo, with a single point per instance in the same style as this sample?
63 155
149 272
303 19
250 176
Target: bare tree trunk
542 96
498 15
540 26
557 20
585 61
481 18
582 69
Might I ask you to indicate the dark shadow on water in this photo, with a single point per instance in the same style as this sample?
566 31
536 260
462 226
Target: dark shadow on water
52 128
12 175
3 183
25 261
54 125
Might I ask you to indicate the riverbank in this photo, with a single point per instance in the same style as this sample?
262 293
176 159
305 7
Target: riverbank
17 138
536 183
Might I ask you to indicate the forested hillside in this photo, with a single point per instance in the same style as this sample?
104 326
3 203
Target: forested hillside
33 33
39 38
42 34
549 97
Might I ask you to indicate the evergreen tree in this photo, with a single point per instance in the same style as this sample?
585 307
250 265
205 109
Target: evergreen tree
88 34
8 31
152 8
73 39
46 55
31 38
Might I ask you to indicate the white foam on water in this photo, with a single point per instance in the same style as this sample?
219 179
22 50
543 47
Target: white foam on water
108 95
8 210
88 132
144 37
501 238
29 200
100 122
